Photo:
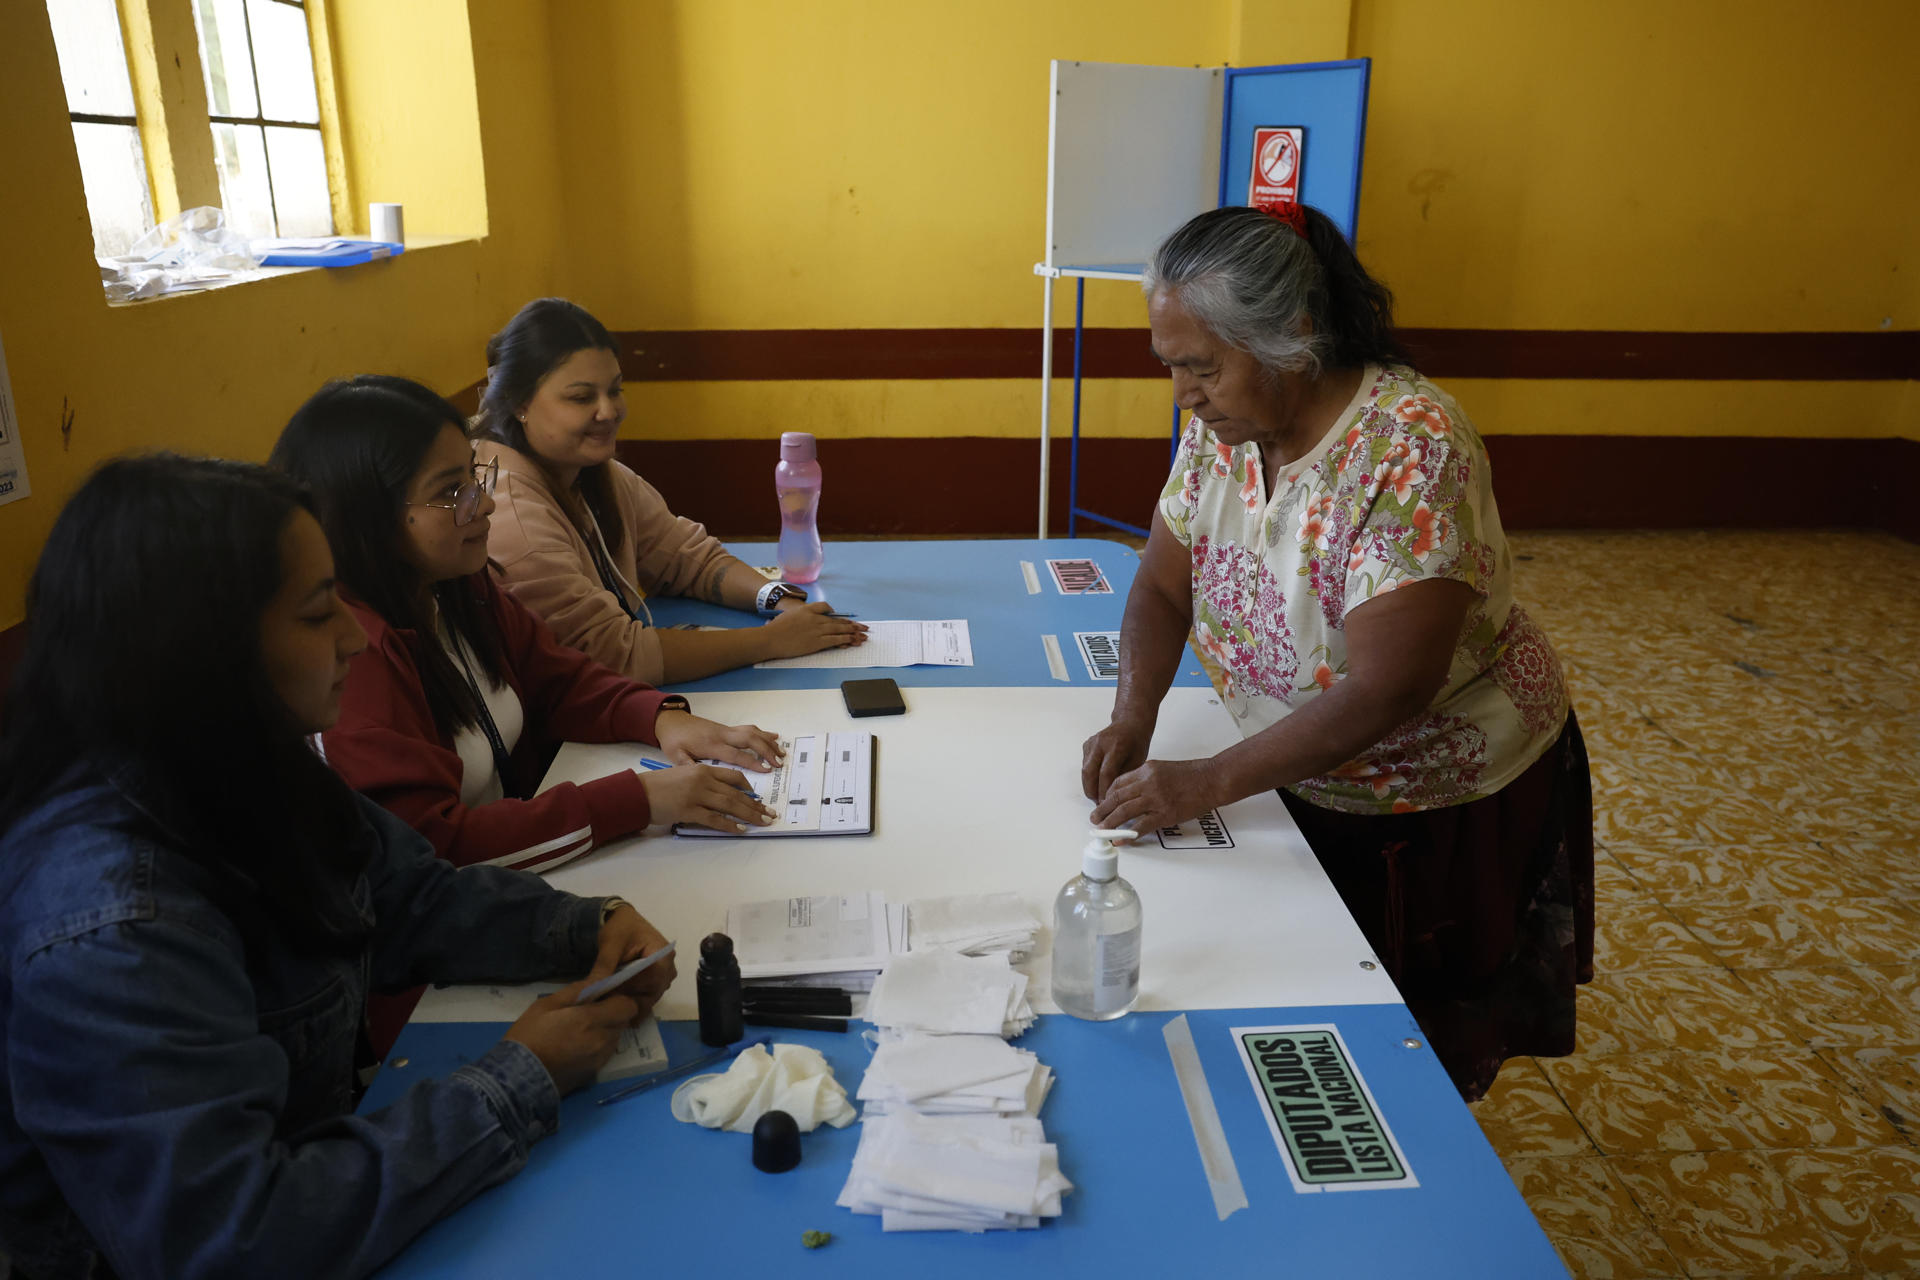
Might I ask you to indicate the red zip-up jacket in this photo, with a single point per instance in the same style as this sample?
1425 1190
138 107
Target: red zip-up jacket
387 745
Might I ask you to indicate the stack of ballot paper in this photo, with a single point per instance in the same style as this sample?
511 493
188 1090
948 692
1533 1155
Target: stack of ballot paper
951 994
838 940
954 1075
972 924
954 1173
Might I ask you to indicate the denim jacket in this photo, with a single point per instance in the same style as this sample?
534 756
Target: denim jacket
179 1084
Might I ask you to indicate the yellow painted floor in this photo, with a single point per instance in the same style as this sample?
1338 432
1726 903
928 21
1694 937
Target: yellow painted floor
1745 1100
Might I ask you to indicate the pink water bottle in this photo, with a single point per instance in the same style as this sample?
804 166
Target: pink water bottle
797 481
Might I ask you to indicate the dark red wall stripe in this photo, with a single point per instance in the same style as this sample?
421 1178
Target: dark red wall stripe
952 485
759 355
988 486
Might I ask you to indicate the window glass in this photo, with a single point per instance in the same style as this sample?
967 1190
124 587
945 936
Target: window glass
240 153
114 170
299 169
284 60
224 58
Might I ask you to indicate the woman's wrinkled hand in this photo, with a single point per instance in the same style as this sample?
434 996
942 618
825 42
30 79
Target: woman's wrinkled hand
1116 749
809 628
1160 793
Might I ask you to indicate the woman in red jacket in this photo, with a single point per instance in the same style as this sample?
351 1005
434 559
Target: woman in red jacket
456 708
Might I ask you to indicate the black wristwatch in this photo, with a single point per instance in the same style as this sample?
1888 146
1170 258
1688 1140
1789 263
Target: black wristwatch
767 600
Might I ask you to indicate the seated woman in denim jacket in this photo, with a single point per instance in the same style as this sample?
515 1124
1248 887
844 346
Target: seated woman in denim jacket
193 908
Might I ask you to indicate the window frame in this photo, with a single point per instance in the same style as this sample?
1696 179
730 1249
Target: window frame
260 120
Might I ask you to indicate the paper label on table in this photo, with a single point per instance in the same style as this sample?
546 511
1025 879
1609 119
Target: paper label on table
1100 650
1031 578
1208 831
1079 578
944 643
1056 662
1323 1117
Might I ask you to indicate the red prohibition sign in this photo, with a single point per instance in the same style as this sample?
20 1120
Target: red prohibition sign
1278 159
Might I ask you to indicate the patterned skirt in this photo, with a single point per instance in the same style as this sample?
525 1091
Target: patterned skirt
1482 913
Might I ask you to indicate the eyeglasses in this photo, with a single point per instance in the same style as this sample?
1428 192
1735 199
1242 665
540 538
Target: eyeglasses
466 499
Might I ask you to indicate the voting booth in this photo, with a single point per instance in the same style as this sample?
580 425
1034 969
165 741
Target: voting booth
1133 152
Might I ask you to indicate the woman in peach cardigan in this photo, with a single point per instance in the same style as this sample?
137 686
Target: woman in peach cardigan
583 541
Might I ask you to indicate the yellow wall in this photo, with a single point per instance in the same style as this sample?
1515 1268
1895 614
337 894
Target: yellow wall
739 164
1629 165
220 372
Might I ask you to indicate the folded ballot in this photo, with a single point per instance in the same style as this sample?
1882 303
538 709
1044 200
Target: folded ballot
972 924
953 1075
951 994
954 1173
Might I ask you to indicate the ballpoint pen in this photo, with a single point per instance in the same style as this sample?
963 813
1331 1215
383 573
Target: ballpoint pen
647 763
706 1060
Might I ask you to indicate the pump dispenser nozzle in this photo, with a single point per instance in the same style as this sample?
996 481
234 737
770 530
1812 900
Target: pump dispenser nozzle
1099 860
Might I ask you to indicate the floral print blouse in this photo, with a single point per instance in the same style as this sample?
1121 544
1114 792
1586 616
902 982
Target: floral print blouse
1398 491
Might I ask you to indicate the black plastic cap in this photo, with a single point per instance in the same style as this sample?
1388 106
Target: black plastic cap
776 1142
716 949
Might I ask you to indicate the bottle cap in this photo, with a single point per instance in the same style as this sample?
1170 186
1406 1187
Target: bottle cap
796 446
776 1142
1099 860
716 951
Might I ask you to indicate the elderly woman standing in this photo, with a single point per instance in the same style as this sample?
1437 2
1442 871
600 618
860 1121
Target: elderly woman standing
1329 537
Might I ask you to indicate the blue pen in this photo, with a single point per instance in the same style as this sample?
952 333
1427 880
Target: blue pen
662 764
705 1061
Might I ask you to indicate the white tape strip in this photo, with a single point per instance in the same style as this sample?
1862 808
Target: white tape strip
1223 1176
1056 663
1033 579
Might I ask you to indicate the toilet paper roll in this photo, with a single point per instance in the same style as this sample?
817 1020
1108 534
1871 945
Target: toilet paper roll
386 222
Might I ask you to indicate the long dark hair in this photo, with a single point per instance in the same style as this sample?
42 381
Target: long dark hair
539 339
1251 280
143 656
357 445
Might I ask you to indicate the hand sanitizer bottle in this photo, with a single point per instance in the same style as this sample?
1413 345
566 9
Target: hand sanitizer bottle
1096 935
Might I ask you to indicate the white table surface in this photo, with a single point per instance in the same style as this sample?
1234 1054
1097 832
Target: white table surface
977 790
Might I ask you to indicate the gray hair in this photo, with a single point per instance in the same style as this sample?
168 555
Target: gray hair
1252 282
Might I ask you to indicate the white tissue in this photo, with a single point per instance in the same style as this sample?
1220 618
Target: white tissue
954 1173
951 994
972 924
793 1078
954 1075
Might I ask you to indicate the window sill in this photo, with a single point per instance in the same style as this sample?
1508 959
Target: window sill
415 245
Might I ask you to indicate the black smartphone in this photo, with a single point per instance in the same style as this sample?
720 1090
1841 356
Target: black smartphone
872 698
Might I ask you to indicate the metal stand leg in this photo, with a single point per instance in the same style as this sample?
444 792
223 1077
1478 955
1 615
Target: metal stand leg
1073 454
1046 391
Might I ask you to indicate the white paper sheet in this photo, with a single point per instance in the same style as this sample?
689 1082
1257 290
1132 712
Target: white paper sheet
823 934
944 643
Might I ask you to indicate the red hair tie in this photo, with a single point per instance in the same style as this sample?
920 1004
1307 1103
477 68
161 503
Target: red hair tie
1287 211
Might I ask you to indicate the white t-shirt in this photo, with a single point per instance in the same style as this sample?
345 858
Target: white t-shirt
479 779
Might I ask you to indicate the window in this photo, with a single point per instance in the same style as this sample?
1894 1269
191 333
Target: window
268 158
265 114
106 133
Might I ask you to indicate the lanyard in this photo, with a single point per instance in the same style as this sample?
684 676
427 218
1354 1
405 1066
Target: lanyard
487 726
597 548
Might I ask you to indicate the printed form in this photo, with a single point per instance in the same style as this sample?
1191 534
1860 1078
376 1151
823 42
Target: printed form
824 787
946 643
